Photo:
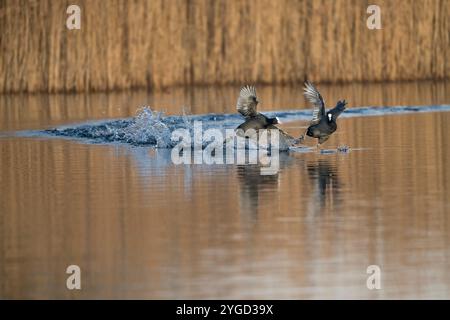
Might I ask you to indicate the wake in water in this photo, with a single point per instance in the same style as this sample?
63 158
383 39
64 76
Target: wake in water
148 127
152 128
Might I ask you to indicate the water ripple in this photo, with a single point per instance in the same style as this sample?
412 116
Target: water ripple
153 128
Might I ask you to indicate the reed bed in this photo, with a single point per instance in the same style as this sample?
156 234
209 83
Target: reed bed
163 43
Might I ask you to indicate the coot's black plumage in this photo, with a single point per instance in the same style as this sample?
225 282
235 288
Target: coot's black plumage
246 105
323 123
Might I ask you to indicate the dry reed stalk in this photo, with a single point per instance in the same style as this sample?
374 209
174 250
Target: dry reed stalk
160 43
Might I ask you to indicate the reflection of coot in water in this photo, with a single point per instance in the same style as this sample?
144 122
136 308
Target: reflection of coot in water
326 179
252 181
255 187
252 186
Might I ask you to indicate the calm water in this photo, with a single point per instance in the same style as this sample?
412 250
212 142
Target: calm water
141 227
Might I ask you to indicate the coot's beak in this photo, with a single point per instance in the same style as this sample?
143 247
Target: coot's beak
278 120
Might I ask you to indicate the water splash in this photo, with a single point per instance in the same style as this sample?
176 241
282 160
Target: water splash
149 128
153 128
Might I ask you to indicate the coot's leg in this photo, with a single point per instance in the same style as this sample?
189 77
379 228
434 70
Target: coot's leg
323 139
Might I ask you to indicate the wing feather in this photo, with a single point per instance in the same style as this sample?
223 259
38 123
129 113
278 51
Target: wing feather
247 102
314 97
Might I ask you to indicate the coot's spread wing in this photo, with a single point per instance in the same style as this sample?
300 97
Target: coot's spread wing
313 96
247 102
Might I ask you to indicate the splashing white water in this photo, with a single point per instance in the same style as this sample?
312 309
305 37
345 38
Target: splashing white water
148 128
153 128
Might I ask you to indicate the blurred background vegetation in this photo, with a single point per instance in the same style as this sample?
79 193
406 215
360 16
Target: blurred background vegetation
163 43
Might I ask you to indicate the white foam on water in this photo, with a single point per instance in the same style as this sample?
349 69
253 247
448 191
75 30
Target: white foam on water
153 128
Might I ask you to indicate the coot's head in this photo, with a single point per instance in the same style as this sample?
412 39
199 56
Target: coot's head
274 121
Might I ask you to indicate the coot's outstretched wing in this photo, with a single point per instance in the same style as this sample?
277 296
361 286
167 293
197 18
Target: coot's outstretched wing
336 111
313 96
247 102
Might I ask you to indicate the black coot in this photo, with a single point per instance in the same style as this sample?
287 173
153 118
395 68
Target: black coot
323 123
247 106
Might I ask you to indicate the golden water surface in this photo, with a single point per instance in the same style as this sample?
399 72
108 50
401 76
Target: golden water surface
141 227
